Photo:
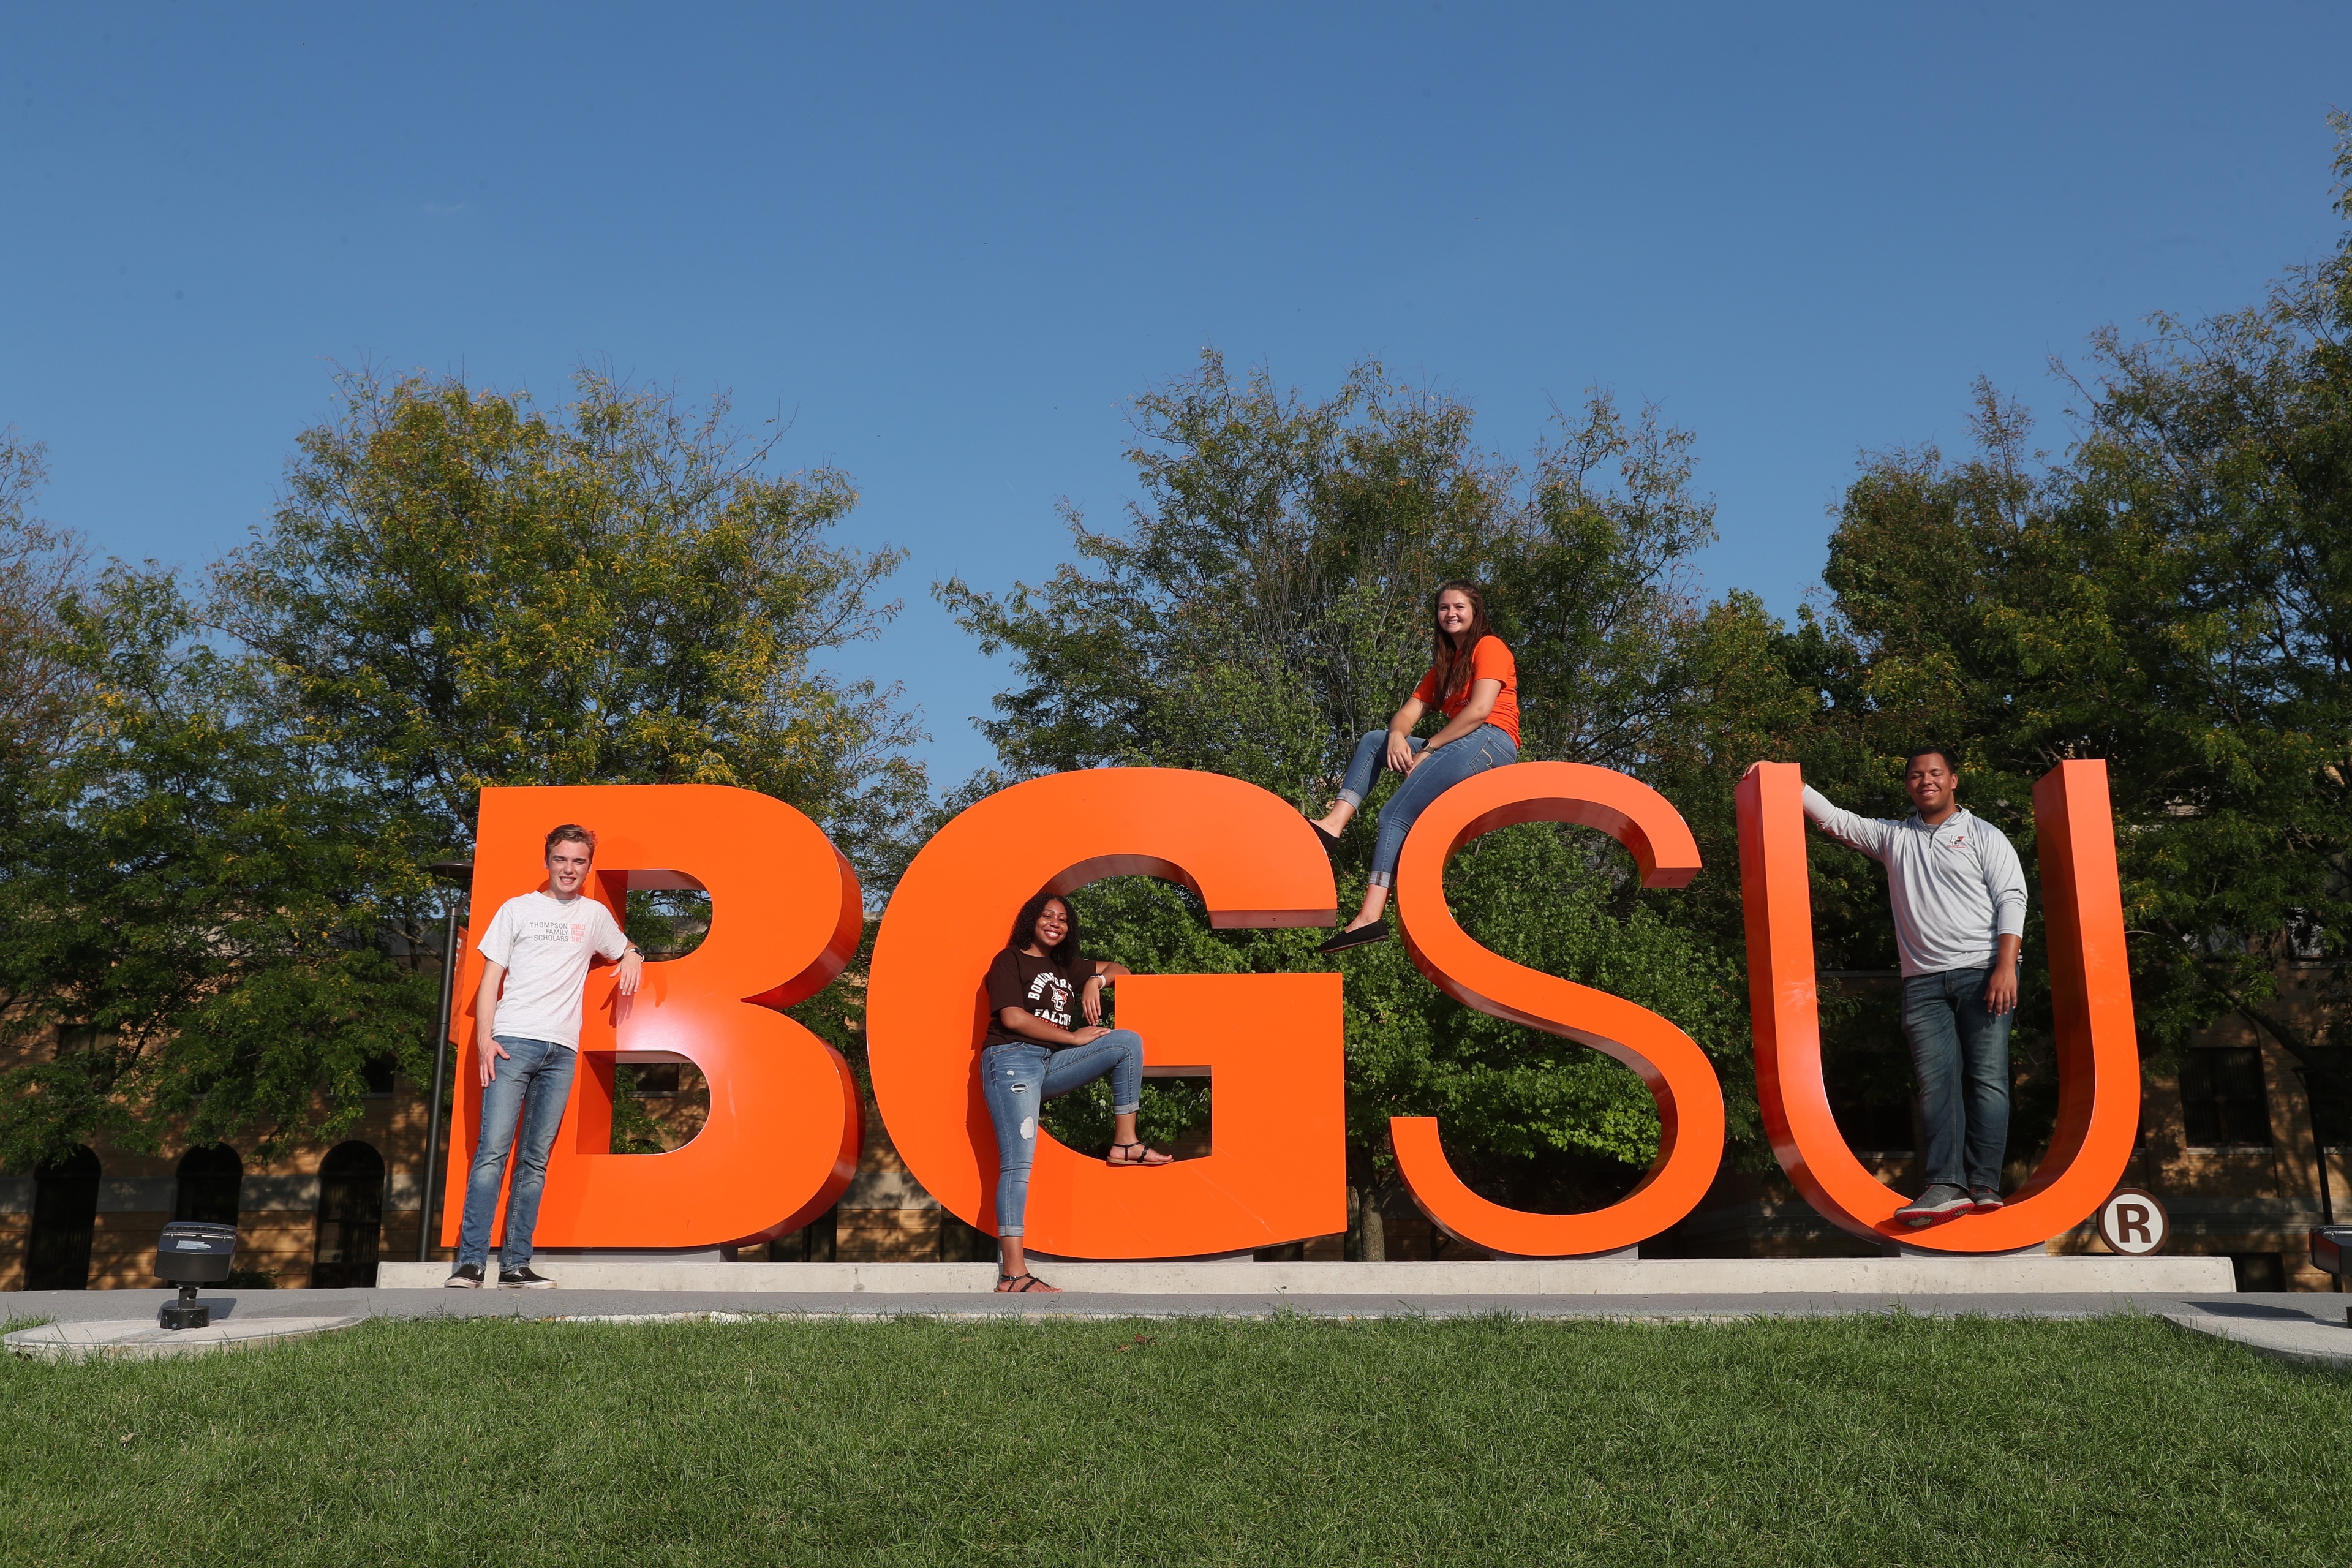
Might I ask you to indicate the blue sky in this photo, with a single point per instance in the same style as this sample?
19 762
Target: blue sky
951 243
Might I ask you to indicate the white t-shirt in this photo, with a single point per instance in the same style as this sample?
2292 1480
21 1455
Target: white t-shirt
545 942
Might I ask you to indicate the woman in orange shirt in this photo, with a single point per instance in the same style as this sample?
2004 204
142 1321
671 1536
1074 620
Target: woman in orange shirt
1475 681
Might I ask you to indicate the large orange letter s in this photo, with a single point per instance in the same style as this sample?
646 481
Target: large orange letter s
1271 1043
782 1136
1689 1096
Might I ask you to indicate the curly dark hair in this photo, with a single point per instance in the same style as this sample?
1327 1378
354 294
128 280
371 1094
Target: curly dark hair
1065 954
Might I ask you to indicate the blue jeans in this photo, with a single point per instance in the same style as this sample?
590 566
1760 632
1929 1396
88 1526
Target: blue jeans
1959 1060
1483 748
533 1083
1017 1080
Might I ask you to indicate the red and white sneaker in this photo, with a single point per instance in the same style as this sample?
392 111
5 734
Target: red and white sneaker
1985 1199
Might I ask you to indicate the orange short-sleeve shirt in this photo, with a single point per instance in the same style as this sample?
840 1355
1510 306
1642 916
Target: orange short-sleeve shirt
1490 660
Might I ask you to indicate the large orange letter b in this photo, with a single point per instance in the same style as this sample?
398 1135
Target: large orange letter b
781 1140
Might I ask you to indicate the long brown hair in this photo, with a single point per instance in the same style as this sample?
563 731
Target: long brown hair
1452 664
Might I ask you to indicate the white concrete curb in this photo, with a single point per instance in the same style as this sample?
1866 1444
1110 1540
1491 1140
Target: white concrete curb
2032 1273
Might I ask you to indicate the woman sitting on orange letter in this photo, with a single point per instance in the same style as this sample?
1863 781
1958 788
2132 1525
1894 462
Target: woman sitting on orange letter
1031 1054
1474 682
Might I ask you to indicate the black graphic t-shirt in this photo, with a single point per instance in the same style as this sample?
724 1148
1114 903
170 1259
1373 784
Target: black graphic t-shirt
1034 985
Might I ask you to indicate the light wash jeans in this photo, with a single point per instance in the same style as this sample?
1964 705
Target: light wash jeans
1018 1078
1483 748
534 1082
1959 1060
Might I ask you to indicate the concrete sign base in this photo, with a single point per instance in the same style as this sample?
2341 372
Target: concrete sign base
2009 1274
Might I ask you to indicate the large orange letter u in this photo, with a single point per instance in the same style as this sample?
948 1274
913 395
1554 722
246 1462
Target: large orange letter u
2089 979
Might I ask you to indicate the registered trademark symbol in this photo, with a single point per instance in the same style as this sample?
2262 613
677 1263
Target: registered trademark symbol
2133 1223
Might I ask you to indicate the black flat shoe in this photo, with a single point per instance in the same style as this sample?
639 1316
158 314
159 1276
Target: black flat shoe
1331 839
1362 936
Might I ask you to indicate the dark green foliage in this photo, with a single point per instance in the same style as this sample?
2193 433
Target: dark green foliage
216 818
202 910
2174 595
462 589
1821 1441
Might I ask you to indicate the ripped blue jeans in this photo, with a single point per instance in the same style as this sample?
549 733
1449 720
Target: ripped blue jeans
1018 1078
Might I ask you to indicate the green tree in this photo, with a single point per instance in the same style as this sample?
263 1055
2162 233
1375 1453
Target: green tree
460 589
213 880
1266 602
2172 593
2200 627
38 567
193 905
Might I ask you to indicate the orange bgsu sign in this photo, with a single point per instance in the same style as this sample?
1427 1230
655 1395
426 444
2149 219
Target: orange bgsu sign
784 1127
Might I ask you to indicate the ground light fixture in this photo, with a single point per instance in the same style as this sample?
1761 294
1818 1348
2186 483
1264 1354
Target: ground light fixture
192 1252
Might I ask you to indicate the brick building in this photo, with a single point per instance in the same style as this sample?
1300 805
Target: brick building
2228 1142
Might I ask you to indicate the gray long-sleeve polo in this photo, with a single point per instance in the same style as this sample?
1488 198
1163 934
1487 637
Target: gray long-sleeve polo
1955 887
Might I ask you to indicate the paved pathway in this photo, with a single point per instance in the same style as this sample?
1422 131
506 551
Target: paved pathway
2309 1313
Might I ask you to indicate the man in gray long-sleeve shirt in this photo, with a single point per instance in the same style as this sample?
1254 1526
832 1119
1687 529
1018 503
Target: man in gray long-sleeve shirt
1960 917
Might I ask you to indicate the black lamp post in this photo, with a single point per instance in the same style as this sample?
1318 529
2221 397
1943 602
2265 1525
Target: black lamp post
461 873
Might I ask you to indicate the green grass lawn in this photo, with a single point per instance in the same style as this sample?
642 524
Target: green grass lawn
1850 1440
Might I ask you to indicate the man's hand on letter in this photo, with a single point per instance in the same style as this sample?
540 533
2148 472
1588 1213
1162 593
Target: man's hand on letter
632 967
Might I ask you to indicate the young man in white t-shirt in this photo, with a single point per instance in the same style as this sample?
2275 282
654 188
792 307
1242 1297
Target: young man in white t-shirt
540 946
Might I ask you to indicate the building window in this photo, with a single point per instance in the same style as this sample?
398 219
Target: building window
962 1243
2329 1081
376 1076
2222 1103
351 1217
2259 1271
65 1219
653 1080
815 1242
74 1038
212 1180
1874 1126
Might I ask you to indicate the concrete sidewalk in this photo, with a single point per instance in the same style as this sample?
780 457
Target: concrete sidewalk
2305 1330
2313 1311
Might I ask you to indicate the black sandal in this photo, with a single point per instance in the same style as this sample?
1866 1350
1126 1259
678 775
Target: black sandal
1165 1158
1362 936
1021 1285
